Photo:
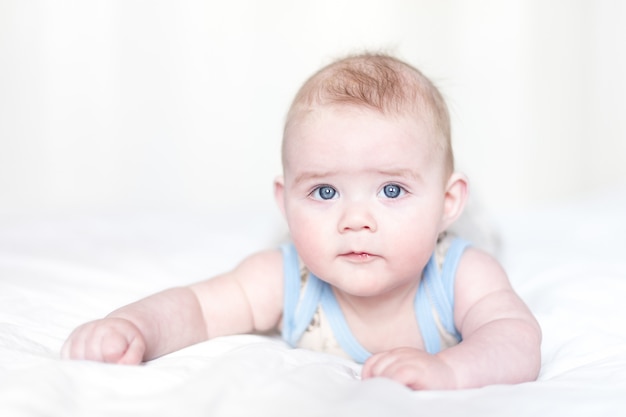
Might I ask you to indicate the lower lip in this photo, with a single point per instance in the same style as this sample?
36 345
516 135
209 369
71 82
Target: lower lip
358 257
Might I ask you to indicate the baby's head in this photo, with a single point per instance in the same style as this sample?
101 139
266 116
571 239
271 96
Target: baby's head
367 167
380 83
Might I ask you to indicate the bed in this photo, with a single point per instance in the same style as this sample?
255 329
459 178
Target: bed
59 270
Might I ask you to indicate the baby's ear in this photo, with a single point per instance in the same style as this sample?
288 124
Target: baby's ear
279 192
454 199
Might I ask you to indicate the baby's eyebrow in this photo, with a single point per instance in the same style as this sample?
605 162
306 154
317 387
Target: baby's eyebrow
313 175
402 173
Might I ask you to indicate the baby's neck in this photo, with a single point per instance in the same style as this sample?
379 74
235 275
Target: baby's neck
383 322
381 308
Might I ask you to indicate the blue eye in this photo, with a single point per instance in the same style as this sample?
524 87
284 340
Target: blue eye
392 191
325 192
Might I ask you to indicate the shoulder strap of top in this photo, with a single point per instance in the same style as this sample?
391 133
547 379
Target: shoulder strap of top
340 327
437 290
297 311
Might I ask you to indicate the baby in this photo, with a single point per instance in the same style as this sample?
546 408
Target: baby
368 191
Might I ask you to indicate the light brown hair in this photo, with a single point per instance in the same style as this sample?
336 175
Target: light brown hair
382 83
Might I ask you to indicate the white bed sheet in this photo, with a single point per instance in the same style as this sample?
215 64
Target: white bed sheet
56 271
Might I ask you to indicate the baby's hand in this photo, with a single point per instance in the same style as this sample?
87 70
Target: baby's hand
414 368
110 340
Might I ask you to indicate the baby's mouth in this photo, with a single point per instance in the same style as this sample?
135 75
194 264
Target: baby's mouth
358 256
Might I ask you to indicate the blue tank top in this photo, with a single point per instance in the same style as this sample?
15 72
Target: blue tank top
435 294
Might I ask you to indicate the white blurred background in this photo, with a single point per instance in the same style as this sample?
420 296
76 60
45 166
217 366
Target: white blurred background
169 104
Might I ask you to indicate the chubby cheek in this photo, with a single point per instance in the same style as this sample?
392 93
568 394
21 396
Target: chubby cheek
308 235
410 241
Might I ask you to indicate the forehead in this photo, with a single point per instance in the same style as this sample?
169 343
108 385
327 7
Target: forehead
350 137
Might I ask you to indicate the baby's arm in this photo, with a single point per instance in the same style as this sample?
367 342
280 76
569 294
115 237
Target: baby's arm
501 338
246 299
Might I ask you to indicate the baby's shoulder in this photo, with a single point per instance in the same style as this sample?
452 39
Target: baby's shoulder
476 262
267 263
468 257
478 275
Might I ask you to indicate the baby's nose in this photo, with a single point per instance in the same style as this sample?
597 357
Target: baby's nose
356 217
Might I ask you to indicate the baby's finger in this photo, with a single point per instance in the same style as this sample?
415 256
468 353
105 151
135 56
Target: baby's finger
134 352
113 345
92 343
375 365
74 346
